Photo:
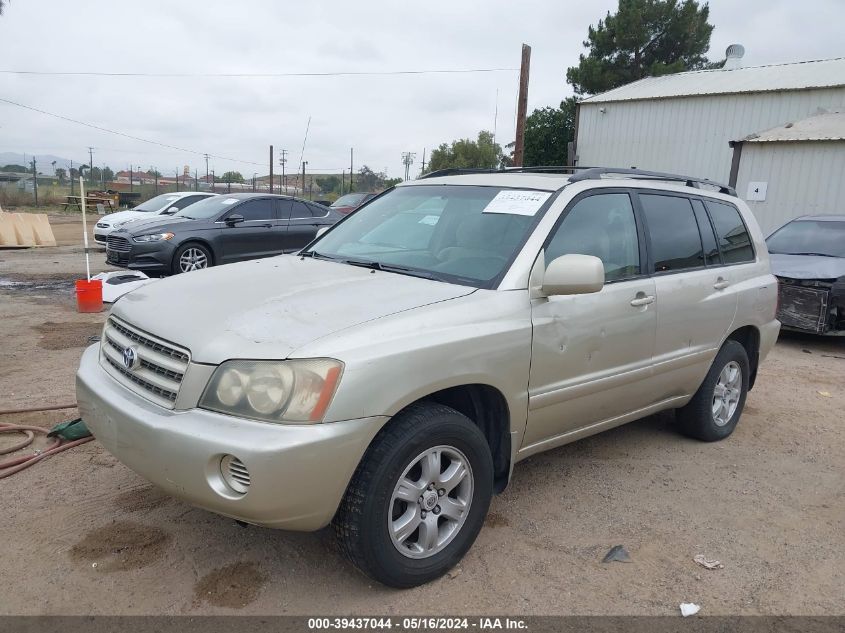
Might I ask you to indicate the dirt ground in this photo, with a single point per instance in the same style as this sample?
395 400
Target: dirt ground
82 534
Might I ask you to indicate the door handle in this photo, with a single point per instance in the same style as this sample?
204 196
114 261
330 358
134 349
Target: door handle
267 226
642 300
721 283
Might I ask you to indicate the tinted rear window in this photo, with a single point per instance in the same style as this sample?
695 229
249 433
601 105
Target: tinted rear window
675 240
734 241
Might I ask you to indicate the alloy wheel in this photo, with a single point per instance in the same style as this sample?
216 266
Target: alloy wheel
726 393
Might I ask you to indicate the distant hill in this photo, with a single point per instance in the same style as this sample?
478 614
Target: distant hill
42 161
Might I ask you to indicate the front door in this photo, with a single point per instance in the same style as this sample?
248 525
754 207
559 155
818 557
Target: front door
591 354
257 236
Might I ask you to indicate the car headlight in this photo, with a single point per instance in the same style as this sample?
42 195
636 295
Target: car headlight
153 237
294 391
117 224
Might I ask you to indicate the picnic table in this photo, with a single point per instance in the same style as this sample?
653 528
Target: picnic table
91 202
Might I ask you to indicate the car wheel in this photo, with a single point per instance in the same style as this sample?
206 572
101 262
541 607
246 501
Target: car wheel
419 497
191 256
714 410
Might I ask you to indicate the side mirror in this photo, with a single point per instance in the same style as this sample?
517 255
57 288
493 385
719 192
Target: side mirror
573 275
321 230
234 219
171 211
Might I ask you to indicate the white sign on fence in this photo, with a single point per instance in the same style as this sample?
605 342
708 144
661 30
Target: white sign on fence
757 191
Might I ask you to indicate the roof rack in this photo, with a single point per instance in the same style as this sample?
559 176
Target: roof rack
595 173
541 169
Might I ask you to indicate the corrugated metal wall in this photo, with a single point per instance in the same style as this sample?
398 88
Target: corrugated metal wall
688 135
803 178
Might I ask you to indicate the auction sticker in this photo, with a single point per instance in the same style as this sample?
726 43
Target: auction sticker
517 202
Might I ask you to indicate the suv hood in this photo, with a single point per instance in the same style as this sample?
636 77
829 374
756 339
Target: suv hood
158 223
807 266
269 308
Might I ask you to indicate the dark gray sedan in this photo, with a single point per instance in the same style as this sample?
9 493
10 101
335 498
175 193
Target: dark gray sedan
219 230
808 258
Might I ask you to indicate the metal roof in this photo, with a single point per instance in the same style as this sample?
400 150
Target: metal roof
825 126
823 73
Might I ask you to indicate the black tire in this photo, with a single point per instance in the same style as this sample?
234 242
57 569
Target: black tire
176 268
361 523
697 419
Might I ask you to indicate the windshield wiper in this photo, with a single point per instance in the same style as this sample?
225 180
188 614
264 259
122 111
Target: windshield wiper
390 268
814 254
316 255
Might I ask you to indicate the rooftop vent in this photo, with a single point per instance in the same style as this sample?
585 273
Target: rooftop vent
733 57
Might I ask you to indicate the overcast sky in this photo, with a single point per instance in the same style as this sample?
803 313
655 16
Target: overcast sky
380 116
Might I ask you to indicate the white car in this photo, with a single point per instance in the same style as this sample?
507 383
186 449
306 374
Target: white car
165 204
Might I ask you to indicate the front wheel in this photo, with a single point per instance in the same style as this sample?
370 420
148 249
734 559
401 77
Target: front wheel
191 256
418 499
714 410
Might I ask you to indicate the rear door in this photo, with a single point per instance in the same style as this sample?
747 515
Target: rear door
591 354
257 236
305 220
695 302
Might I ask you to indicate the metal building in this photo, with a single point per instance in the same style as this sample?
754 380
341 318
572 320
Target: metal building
793 169
685 123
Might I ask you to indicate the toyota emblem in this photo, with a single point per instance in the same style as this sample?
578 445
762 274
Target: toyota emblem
130 357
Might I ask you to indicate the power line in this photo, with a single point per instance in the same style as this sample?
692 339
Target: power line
351 73
130 136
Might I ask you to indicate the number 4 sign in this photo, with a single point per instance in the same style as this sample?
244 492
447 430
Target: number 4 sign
757 191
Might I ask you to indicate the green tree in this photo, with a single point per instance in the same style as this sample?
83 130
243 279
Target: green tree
368 180
548 132
13 167
155 173
108 174
232 176
329 184
61 174
391 182
643 38
467 154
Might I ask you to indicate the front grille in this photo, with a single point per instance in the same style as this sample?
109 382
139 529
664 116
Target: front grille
158 370
119 244
802 307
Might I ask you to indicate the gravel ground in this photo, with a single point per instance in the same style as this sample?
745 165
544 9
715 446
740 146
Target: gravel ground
82 534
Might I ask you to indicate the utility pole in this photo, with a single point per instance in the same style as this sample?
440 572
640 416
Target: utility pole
177 180
522 107
304 163
423 162
70 173
282 161
196 181
206 169
103 176
155 173
130 178
271 169
351 171
91 164
407 160
342 180
35 181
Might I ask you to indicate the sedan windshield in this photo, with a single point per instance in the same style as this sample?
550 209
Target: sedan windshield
350 200
156 204
455 233
208 208
809 237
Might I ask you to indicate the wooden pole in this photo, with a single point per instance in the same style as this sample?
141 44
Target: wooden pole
522 107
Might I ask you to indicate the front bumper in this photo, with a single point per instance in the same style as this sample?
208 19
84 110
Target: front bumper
298 473
145 256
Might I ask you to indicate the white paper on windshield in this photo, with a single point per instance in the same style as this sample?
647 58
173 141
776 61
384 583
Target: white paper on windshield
517 202
230 201
430 220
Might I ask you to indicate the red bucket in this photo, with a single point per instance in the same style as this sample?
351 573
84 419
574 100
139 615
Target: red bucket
89 295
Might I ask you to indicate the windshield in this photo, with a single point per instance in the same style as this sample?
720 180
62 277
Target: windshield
454 233
350 200
809 237
208 208
156 204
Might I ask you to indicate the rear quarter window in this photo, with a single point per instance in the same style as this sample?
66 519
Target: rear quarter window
731 233
673 231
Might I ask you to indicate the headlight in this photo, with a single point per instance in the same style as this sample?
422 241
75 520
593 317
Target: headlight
153 237
294 391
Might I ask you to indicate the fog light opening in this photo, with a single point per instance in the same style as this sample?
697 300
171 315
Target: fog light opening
235 474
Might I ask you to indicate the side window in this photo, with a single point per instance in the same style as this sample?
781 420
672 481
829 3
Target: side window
734 241
602 225
186 201
284 205
318 211
675 240
256 210
708 238
299 210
